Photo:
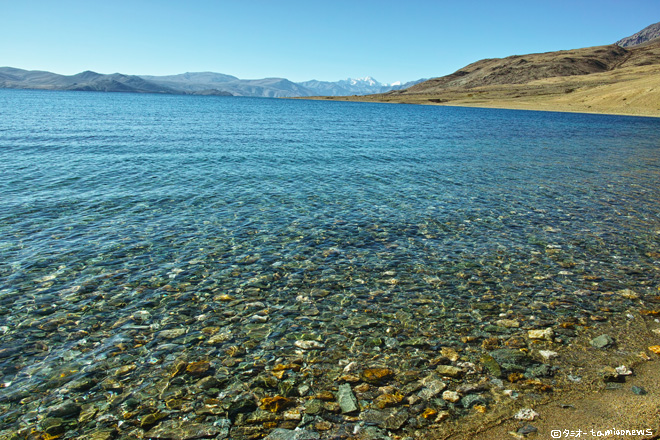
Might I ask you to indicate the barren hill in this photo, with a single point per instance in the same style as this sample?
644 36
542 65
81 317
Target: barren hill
601 79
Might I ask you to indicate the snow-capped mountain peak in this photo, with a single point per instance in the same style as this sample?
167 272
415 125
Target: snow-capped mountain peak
352 86
367 81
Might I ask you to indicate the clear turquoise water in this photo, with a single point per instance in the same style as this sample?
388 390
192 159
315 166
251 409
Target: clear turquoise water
112 204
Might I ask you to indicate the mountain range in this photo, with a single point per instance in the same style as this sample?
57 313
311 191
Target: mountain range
623 78
193 83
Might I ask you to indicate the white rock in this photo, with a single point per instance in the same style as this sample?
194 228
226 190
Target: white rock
548 354
546 334
352 366
451 396
468 367
627 293
258 318
309 345
292 414
442 415
433 388
508 323
511 393
526 414
622 370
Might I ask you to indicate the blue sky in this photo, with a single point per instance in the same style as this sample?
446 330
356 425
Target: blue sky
301 40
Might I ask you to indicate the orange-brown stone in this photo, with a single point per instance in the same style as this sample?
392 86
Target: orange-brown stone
283 367
429 413
200 368
377 375
515 377
386 400
325 396
275 404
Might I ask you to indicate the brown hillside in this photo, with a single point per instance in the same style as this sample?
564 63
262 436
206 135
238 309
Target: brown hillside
601 79
521 69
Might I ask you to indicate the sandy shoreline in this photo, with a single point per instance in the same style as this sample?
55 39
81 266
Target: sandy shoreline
514 105
590 404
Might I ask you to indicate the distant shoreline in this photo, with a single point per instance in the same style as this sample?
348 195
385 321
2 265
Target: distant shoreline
494 104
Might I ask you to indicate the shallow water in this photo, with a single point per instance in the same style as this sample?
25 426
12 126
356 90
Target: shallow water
271 221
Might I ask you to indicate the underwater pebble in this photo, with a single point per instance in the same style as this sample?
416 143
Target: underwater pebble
602 341
640 391
526 414
450 371
309 345
346 399
623 370
546 334
548 354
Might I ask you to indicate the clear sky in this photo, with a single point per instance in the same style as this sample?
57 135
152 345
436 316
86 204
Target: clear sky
302 40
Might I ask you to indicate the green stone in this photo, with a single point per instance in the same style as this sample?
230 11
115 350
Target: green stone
491 365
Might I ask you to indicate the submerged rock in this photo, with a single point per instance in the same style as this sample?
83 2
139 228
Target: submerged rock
292 434
450 371
512 360
309 345
390 418
548 354
346 399
547 334
276 404
432 389
173 430
377 375
526 414
491 365
602 341
472 399
65 410
640 391
242 404
451 396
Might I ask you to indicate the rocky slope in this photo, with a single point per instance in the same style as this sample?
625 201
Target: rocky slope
647 34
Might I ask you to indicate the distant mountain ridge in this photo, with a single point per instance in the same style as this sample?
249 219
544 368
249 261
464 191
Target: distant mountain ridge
274 87
649 33
195 83
12 78
191 82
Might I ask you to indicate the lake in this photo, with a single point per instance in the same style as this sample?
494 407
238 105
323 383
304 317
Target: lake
149 243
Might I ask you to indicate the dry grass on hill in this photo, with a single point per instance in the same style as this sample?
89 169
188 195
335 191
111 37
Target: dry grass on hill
603 79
